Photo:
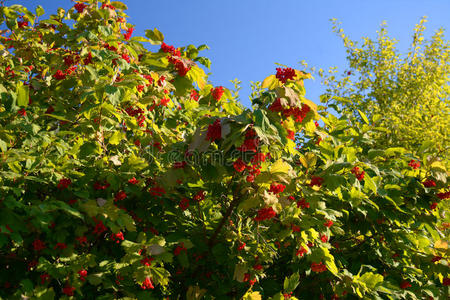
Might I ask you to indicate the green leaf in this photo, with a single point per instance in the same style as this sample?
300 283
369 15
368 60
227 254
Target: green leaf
182 85
249 203
57 117
119 5
116 137
113 93
39 11
105 30
363 116
394 151
291 283
23 93
369 184
44 293
3 146
89 149
155 36
27 285
95 279
370 279
183 259
67 208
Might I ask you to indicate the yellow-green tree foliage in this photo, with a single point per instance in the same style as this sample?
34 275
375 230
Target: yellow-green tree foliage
405 96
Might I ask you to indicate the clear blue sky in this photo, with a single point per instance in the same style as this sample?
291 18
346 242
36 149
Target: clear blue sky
247 37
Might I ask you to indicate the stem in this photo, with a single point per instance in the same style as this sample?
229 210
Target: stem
233 204
200 216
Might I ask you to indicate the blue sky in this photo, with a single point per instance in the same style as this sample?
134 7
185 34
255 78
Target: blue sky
247 37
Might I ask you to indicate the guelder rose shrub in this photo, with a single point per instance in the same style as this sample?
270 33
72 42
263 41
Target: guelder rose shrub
125 174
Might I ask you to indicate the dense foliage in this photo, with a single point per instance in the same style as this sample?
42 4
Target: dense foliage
125 174
407 96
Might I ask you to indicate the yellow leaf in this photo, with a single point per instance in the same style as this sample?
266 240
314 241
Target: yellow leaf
198 75
441 244
268 81
331 266
310 126
311 104
309 160
194 293
280 166
288 124
300 75
437 165
252 296
239 272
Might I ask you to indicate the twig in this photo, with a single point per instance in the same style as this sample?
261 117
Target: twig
233 204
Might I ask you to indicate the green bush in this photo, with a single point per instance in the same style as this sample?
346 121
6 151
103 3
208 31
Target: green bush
125 174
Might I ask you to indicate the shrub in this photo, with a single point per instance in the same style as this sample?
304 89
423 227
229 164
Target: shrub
125 174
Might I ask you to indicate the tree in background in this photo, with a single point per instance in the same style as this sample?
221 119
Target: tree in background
406 97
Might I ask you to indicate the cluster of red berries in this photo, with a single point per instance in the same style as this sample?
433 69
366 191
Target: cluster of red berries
170 49
298 114
429 183
194 95
301 251
414 164
64 183
83 273
157 191
217 92
214 131
99 227
80 7
241 246
38 245
138 113
117 237
147 261
318 267
405 284
127 35
302 204
359 174
316 180
147 284
444 195
250 144
265 213
285 74
181 67
184 203
121 195
109 6
101 185
180 247
277 188
328 223
247 277
199 196
71 61
21 22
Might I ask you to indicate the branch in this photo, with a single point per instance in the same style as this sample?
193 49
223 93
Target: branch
233 204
